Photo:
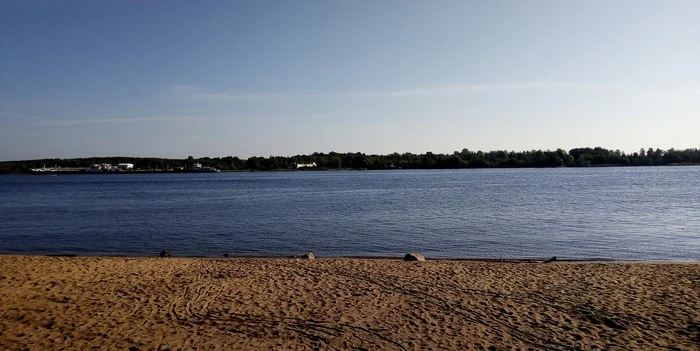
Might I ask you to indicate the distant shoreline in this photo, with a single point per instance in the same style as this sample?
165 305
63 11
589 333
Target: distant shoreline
576 157
338 170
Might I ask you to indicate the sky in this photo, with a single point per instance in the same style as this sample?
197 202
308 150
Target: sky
261 78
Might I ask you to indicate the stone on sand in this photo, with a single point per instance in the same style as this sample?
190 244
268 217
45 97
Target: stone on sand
413 256
308 256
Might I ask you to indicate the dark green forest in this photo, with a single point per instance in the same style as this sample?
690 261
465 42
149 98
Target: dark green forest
580 157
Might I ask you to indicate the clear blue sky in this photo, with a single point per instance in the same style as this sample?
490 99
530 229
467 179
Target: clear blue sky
218 78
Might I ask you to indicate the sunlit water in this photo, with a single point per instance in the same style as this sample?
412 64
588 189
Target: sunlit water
609 213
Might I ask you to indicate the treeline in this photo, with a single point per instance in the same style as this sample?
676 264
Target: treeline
580 157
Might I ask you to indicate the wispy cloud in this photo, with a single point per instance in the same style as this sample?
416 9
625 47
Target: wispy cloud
15 115
119 120
198 92
687 91
459 89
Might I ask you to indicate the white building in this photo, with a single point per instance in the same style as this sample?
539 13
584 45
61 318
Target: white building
100 167
306 165
125 166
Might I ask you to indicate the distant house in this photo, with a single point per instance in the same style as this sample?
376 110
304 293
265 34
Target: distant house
100 167
305 165
125 166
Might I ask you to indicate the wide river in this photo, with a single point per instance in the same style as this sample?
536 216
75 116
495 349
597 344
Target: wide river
644 213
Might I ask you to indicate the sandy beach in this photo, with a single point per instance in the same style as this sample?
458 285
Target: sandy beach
344 304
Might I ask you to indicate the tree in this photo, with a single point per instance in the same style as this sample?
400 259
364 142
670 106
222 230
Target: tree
581 161
335 162
453 162
540 159
252 163
554 160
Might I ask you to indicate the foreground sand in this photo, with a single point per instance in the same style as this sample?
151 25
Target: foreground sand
285 304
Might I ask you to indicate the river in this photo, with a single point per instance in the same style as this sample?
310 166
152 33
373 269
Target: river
640 213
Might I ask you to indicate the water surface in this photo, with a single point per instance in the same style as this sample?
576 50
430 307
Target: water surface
641 213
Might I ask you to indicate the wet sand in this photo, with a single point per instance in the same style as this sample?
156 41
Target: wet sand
345 304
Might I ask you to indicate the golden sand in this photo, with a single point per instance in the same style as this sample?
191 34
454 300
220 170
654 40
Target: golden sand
344 304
